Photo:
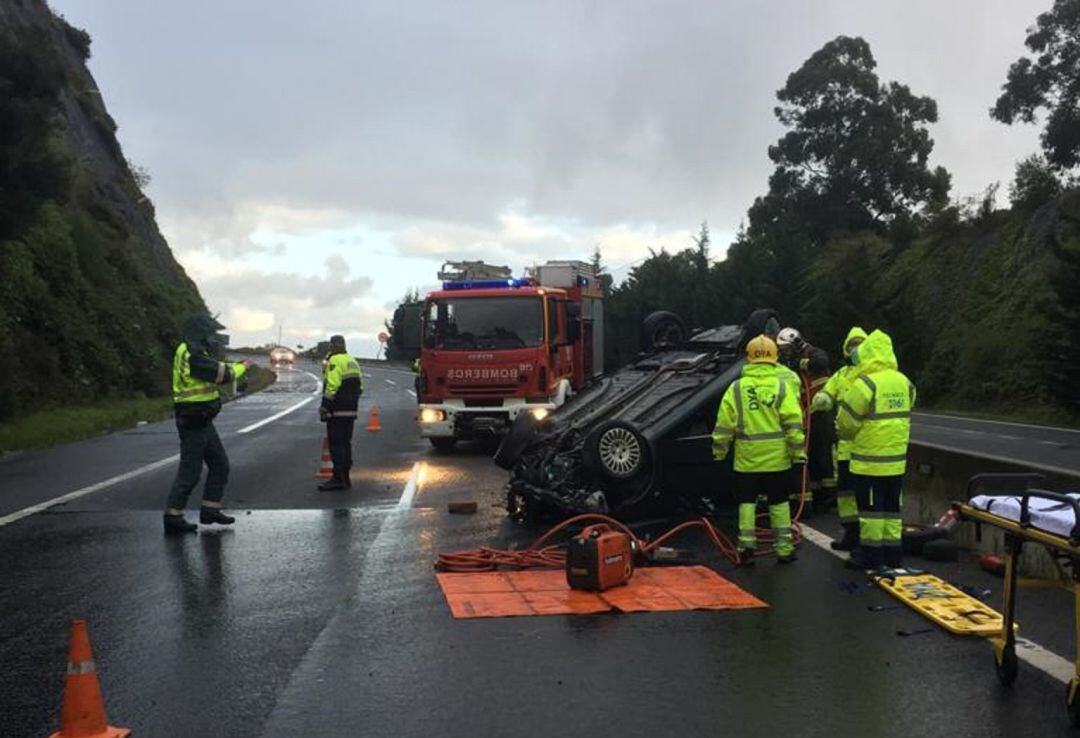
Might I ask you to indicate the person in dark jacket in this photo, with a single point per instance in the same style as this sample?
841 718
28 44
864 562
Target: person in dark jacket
343 384
196 377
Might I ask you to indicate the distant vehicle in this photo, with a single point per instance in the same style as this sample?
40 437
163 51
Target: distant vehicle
494 347
637 441
281 356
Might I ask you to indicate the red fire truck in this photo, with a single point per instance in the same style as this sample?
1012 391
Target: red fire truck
494 346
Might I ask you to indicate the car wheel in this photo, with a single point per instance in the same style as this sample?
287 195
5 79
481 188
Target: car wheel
915 535
443 444
661 330
522 432
617 451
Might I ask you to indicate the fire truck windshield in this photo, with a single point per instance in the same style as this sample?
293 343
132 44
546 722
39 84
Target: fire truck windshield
484 323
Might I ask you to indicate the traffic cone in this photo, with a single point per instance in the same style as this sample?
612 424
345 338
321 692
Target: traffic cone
373 423
326 465
82 712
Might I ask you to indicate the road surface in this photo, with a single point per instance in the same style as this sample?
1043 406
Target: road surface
318 613
1049 448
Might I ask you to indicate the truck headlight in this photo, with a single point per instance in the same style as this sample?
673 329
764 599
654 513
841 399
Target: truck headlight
430 415
540 412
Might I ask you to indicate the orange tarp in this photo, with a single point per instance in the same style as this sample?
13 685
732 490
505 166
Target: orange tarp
499 594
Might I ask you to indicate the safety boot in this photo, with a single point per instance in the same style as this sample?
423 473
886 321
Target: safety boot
178 524
787 558
208 515
746 557
332 485
850 539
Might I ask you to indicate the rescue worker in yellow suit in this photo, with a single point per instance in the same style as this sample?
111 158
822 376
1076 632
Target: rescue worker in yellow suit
196 376
874 413
824 403
343 384
761 415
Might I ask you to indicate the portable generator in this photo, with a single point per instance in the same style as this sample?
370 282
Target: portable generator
599 558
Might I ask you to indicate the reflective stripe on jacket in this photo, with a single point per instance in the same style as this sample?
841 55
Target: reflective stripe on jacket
195 378
343 383
874 411
760 413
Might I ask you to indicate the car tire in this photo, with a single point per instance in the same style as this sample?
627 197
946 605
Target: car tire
616 450
662 329
443 444
941 549
917 535
522 433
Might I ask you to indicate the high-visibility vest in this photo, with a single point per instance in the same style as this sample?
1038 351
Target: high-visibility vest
875 414
188 389
760 413
342 384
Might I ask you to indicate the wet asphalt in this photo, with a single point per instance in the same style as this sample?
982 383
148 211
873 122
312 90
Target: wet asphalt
318 613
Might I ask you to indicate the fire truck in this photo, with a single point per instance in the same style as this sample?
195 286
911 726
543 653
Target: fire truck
494 346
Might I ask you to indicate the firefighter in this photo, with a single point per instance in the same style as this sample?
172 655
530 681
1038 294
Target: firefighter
760 413
196 376
874 413
810 366
342 386
824 403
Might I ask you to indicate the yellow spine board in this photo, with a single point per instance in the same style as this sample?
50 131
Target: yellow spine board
944 604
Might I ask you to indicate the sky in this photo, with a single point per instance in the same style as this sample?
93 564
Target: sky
311 162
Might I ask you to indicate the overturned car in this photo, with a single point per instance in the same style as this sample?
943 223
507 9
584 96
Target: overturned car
636 441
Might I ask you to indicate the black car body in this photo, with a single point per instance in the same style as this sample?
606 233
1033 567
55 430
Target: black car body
638 440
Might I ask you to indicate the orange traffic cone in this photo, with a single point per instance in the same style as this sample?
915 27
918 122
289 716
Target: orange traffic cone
326 465
373 421
83 711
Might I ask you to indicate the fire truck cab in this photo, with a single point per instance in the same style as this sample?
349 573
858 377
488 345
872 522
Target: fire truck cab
494 346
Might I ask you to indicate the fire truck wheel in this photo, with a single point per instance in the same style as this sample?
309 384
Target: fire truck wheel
662 329
616 450
522 432
443 444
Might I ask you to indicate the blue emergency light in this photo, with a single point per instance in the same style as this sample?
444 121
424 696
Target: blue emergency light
487 284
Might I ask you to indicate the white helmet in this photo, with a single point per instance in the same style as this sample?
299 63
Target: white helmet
789 337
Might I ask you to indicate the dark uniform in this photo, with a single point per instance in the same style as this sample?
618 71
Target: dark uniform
196 402
342 386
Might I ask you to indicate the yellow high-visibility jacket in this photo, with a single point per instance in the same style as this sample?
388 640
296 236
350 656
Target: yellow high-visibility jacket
760 413
830 394
874 411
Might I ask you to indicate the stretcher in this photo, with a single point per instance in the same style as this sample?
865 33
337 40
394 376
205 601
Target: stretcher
1030 515
941 603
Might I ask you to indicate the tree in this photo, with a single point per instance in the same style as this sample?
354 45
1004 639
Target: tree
1035 184
1050 81
856 155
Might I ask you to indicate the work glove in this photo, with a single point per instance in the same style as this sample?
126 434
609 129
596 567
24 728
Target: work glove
821 403
719 453
324 414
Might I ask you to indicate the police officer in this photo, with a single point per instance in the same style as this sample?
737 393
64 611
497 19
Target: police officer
760 413
824 403
874 413
342 386
196 376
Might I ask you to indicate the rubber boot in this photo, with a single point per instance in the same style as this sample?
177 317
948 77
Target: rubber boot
208 515
850 539
178 524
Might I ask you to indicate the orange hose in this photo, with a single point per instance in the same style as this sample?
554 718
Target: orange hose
541 554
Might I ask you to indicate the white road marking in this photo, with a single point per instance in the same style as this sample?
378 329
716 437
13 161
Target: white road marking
409 492
34 509
996 422
411 392
1027 650
318 383
390 381
275 416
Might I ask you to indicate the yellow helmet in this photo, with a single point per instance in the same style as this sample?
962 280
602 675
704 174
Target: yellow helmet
761 350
